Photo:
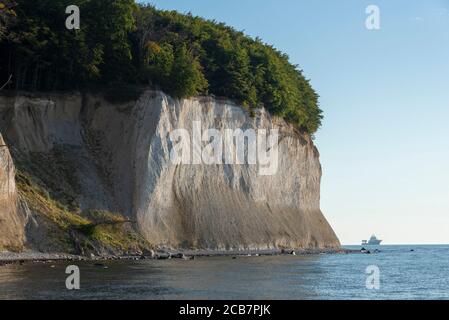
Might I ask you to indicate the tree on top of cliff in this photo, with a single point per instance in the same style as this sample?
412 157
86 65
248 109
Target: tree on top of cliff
124 42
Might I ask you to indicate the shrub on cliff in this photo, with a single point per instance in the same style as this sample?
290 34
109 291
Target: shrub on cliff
121 41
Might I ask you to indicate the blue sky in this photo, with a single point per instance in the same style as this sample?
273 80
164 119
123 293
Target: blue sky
384 142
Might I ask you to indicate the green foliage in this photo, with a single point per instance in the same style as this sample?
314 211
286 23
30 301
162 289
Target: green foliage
186 77
7 15
159 63
43 55
176 71
95 229
124 42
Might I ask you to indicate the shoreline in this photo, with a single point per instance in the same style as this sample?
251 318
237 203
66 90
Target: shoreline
10 258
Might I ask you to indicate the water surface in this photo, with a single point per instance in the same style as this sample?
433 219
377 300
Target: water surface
404 274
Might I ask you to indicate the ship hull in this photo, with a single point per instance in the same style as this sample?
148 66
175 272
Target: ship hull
371 243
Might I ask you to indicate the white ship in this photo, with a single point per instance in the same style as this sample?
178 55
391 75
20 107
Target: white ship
372 241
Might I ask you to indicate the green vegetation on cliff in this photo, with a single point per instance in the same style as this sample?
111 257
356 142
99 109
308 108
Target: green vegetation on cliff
124 42
68 230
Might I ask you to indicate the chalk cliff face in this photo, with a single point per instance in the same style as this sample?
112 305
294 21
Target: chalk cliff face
116 157
11 218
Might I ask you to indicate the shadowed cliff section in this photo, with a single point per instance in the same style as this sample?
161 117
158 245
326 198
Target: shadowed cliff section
84 154
11 214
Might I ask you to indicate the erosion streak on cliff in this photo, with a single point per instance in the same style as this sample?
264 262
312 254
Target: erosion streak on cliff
115 157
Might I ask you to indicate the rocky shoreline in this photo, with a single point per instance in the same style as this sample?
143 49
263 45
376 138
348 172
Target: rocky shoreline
8 258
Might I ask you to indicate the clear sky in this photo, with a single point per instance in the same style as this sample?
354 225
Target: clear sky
384 142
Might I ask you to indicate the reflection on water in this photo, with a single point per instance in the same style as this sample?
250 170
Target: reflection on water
340 276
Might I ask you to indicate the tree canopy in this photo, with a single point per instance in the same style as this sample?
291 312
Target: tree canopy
123 42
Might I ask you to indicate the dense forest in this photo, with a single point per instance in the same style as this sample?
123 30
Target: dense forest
121 42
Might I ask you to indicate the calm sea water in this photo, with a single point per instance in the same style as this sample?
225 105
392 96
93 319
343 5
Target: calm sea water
404 274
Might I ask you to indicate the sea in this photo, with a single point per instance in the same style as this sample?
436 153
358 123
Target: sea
391 272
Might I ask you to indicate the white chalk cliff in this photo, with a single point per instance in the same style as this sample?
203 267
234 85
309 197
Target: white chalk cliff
11 217
119 159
